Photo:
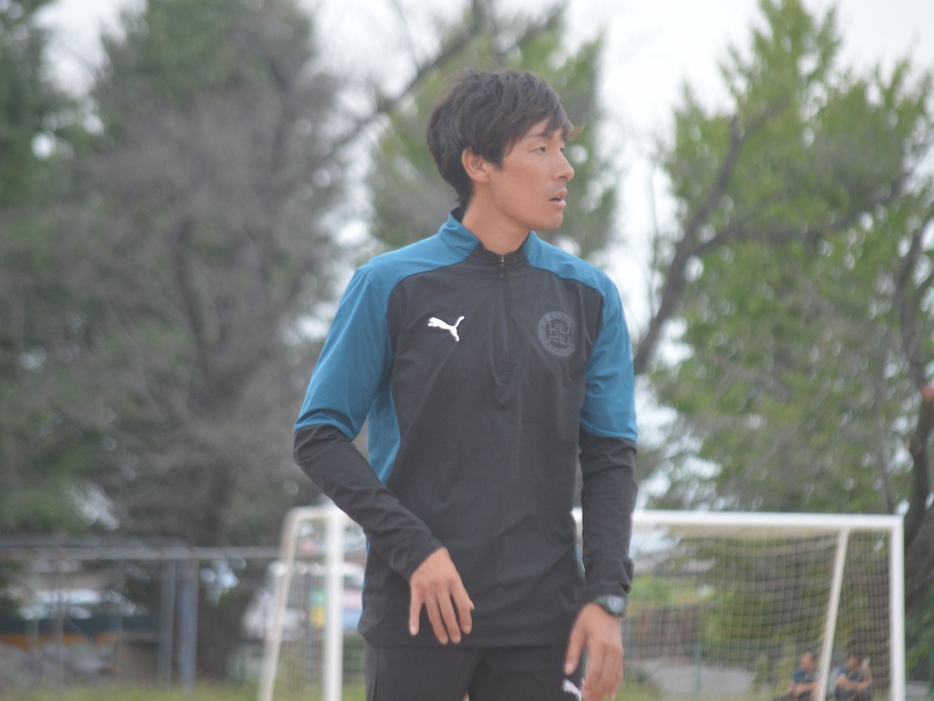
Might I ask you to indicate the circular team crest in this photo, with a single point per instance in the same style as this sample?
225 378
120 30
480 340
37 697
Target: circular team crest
556 331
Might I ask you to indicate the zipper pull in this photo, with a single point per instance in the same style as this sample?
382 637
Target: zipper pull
502 267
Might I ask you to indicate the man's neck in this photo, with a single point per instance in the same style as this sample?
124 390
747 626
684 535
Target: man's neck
497 233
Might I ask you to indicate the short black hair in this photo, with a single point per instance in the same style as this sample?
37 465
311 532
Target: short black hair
488 113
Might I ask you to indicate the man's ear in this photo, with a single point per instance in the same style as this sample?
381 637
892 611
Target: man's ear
476 166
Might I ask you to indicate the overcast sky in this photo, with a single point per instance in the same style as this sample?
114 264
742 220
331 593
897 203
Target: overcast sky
652 47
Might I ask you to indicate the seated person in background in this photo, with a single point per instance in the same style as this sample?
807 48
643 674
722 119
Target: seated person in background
803 682
854 680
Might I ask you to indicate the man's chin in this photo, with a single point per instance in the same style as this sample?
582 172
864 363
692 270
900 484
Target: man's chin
551 224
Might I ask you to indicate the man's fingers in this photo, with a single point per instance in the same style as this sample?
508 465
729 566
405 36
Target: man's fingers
604 674
437 622
594 683
575 647
599 633
620 674
449 616
603 677
415 612
437 586
464 607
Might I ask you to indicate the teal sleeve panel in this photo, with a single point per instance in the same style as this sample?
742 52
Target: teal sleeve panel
609 405
351 381
355 363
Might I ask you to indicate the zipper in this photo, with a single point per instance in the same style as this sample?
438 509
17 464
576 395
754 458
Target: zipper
503 364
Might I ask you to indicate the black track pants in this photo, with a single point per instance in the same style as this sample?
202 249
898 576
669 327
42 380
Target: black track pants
484 674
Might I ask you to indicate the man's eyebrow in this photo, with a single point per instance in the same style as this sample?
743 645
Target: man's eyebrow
546 134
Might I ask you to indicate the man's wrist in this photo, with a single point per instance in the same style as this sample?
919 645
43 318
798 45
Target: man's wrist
613 604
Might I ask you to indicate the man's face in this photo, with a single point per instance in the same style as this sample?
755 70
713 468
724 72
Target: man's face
852 662
807 661
530 185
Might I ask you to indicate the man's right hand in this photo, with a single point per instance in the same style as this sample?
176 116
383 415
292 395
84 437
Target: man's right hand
437 586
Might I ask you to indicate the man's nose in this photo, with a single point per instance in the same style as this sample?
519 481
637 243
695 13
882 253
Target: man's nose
565 170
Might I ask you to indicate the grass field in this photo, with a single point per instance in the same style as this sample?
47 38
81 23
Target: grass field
232 693
203 693
126 693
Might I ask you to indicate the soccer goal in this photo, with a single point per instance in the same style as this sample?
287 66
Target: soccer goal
722 607
724 604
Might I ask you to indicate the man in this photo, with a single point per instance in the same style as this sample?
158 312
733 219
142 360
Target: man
854 680
804 681
486 362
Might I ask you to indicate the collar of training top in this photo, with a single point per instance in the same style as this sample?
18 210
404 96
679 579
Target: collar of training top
458 237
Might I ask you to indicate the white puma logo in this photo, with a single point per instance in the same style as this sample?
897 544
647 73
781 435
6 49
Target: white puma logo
436 323
569 687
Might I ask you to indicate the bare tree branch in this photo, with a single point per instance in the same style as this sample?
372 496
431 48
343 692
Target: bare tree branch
685 248
482 22
907 304
688 245
921 481
919 563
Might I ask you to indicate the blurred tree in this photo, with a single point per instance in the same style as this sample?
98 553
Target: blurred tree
411 200
43 452
800 278
204 218
28 101
211 183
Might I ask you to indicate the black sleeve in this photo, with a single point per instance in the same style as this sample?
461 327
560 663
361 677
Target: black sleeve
333 462
608 499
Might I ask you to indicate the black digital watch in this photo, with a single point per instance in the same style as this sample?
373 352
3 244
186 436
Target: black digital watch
612 604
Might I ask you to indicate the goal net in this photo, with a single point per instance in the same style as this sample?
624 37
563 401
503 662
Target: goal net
723 604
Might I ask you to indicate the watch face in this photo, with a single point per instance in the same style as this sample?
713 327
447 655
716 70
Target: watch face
614 605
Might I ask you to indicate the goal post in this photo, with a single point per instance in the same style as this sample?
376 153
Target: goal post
304 526
722 606
746 593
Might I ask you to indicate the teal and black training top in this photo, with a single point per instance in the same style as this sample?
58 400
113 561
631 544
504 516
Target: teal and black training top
484 378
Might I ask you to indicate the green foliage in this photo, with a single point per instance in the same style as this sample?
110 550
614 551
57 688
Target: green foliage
410 199
43 453
805 318
204 215
177 49
150 366
649 588
28 102
795 383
